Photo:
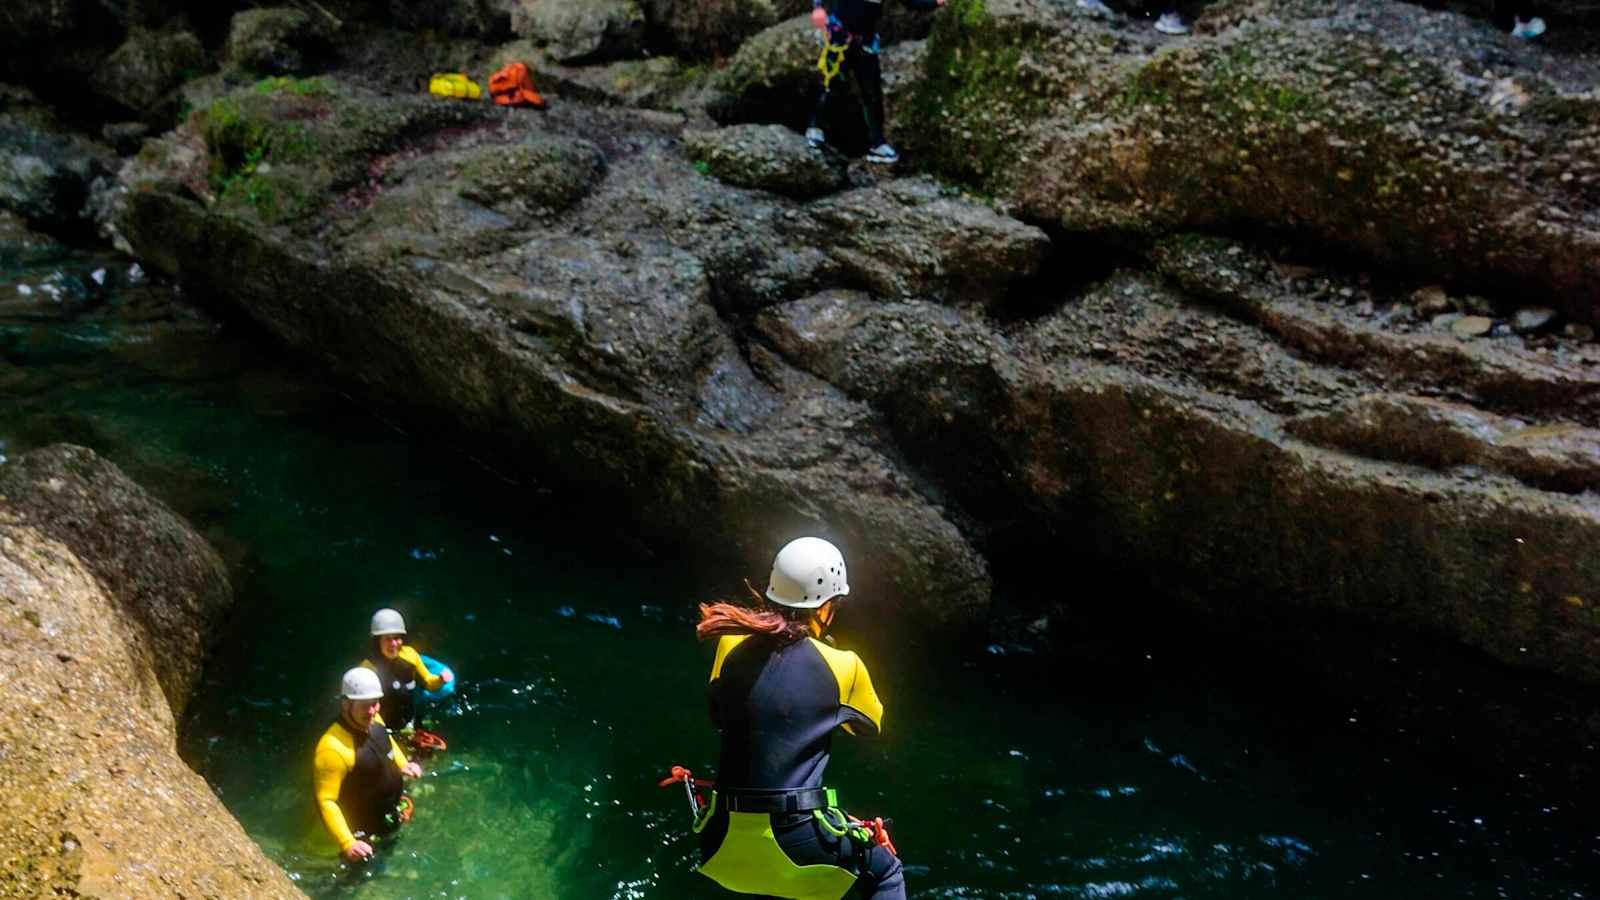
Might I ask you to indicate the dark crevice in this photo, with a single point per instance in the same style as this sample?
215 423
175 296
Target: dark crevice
1074 262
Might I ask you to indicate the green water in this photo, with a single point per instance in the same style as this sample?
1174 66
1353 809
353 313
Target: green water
1143 763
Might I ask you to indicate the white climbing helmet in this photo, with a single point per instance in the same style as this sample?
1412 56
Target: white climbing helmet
387 621
807 573
361 683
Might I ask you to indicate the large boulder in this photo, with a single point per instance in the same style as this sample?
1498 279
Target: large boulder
1243 455
277 40
707 29
768 158
110 605
139 74
1373 129
573 31
45 171
913 237
572 325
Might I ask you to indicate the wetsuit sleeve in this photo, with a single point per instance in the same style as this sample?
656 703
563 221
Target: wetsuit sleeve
861 712
330 768
921 4
861 699
429 680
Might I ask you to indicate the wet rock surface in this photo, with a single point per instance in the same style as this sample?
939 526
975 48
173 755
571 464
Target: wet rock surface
1298 306
768 158
46 171
109 604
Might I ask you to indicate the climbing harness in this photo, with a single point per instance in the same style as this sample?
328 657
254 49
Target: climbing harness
822 803
830 61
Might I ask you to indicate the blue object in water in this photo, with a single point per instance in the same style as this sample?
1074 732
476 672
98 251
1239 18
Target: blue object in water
438 668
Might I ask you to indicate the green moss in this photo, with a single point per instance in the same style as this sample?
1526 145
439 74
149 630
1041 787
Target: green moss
974 77
299 87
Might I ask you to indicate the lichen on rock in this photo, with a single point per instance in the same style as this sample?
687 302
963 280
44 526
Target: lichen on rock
110 603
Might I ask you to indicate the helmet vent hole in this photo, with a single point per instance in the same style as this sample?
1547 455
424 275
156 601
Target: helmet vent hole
819 581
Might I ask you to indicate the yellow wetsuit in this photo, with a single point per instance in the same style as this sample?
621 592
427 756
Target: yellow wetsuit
399 677
352 781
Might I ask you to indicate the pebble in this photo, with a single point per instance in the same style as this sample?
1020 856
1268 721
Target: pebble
1532 318
1431 301
1578 331
1471 326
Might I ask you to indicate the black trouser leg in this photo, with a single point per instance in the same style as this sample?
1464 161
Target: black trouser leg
868 73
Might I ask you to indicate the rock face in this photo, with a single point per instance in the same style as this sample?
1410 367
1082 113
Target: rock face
767 158
275 40
109 600
147 66
45 171
1292 315
576 311
1370 129
581 31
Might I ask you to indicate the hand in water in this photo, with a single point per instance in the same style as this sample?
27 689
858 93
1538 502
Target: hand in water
411 770
448 676
360 851
819 16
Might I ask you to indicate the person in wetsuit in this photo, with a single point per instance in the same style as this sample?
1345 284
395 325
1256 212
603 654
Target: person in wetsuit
399 669
359 770
778 693
851 27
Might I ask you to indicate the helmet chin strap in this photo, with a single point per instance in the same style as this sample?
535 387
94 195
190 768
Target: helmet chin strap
819 625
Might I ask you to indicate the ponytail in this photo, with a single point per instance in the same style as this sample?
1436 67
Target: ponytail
718 619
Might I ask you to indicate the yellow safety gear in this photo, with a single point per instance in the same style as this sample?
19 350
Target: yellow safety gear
335 757
454 84
829 62
750 861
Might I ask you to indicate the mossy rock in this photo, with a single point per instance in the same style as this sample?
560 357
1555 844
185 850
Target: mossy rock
281 149
543 176
768 158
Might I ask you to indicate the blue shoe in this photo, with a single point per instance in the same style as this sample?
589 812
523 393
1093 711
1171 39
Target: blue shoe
883 154
1528 30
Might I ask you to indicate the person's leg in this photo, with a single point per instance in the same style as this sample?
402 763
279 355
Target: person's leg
831 87
867 71
881 877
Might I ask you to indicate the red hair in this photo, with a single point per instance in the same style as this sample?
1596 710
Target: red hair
718 619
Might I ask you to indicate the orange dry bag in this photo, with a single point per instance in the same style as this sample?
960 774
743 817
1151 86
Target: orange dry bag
513 86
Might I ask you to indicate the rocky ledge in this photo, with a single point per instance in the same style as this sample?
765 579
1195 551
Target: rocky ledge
109 600
1295 314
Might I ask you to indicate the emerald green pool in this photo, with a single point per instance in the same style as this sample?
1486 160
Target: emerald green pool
1142 763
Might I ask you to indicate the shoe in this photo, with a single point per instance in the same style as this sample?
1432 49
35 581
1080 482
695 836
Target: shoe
1171 23
1095 7
1528 30
883 154
814 137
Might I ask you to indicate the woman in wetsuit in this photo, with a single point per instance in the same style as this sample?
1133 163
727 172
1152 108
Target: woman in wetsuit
778 692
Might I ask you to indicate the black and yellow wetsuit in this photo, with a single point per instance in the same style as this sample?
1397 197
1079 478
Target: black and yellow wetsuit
771 827
400 677
357 781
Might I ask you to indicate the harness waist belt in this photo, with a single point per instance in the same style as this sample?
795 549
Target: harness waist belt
778 801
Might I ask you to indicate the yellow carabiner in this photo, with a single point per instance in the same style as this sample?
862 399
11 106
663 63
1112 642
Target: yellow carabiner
829 62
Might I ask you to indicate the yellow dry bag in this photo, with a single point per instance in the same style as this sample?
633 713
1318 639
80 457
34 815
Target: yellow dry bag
454 84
